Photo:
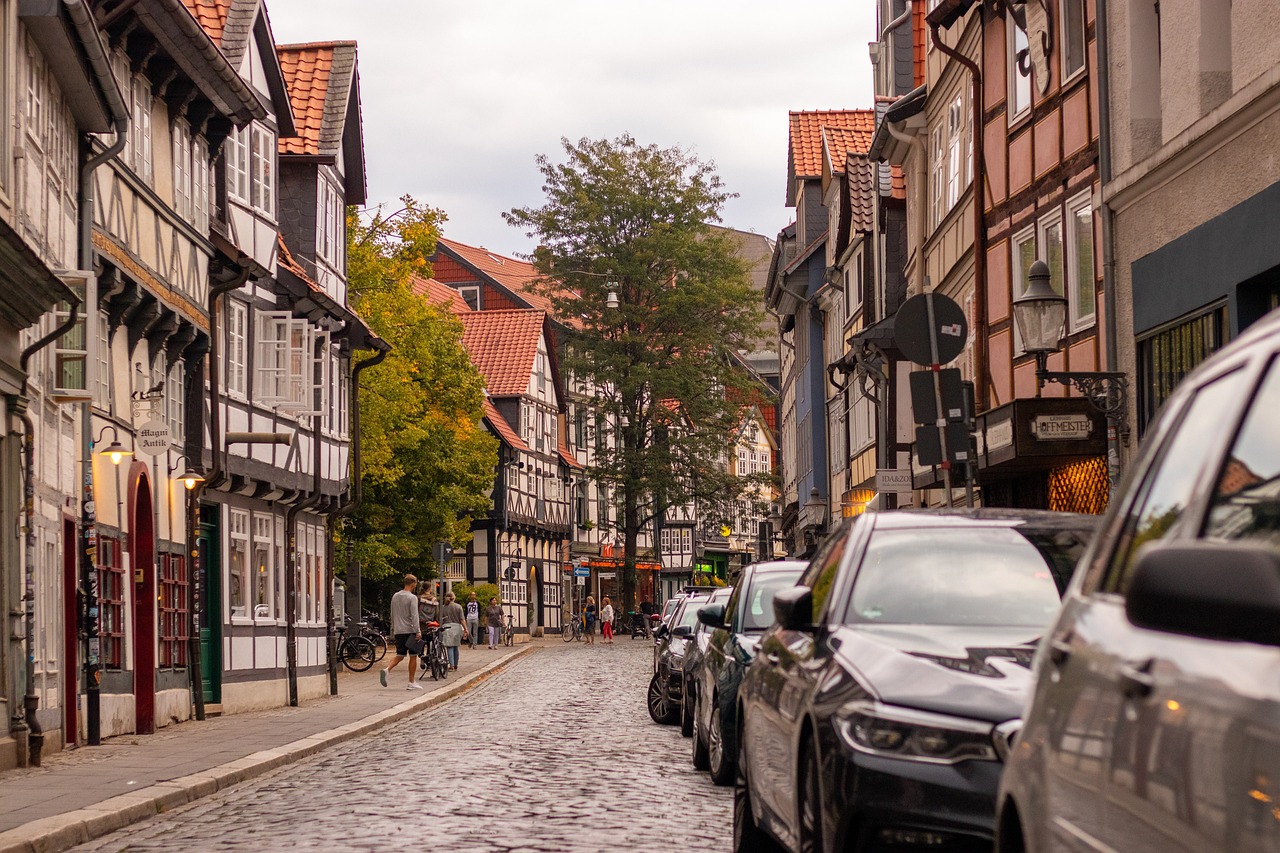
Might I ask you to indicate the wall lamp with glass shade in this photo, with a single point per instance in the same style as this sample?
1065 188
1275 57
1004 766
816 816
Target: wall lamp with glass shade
1041 316
115 451
190 476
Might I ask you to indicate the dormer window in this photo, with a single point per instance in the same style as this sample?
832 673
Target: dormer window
251 168
331 222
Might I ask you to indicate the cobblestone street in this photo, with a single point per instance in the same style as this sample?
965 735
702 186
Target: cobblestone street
556 753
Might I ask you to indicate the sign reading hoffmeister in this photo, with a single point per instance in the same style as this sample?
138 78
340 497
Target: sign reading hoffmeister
1064 427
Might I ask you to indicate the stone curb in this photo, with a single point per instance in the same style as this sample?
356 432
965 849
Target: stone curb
62 832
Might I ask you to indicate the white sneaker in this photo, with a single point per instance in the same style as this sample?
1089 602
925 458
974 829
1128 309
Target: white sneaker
414 686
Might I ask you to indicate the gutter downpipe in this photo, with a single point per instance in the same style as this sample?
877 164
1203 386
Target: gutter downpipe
290 525
88 520
357 498
922 181
896 22
25 728
1114 428
979 223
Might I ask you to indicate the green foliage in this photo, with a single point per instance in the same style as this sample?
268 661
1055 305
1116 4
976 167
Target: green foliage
428 462
635 220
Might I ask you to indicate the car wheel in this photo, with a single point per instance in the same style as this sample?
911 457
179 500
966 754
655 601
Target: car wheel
719 752
699 744
810 802
660 709
686 713
748 837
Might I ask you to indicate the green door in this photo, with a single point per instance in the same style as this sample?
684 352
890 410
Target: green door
209 604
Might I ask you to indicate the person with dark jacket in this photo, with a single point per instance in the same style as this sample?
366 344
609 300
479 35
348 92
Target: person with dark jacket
451 625
493 619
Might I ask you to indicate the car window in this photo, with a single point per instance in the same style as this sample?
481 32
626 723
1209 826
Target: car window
990 576
1171 483
758 613
1246 499
731 608
821 574
688 615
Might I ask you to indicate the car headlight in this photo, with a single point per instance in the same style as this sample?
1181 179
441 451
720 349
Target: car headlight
905 733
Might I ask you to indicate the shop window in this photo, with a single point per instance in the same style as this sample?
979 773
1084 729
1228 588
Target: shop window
1167 356
111 589
238 564
173 611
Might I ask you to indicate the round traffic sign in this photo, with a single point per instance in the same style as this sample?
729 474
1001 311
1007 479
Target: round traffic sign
926 340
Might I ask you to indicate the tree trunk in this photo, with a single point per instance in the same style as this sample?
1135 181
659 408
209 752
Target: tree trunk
631 536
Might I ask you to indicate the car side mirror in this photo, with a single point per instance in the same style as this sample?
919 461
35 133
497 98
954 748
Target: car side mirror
712 615
793 608
682 632
1220 591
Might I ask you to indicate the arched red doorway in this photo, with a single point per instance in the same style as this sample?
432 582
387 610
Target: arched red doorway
142 559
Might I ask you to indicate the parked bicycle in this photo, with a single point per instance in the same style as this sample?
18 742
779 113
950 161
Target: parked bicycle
355 652
434 658
509 632
365 629
573 631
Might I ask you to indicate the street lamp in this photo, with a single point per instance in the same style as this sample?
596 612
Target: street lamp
115 451
611 301
190 476
1041 316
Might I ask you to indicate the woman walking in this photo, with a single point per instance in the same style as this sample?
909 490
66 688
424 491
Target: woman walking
493 619
451 624
589 621
606 621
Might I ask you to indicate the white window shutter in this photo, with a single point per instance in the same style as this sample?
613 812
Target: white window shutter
272 366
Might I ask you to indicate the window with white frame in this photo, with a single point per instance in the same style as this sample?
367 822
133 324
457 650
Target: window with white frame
331 224
1023 251
937 176
271 357
471 296
1019 80
837 436
1081 275
262 161
175 401
1074 37
201 174
102 378
238 588
237 347
853 284
237 151
182 190
279 601
1050 248
862 423
264 567
140 129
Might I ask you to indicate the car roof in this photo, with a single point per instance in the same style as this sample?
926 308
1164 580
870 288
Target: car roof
778 566
983 517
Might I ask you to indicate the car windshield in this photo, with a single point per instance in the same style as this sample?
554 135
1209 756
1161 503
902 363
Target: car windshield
688 615
757 615
988 576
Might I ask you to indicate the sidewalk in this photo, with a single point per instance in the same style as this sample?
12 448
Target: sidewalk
80 794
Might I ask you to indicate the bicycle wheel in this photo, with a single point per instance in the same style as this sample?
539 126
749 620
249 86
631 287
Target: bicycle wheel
356 654
379 645
568 632
440 663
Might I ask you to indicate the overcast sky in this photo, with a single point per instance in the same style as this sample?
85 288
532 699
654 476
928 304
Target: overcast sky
460 97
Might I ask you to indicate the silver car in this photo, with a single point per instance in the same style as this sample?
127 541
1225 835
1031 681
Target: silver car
1155 721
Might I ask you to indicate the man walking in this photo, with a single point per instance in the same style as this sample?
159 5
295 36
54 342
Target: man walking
404 625
473 619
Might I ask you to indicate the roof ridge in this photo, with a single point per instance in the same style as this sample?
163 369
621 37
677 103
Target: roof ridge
312 45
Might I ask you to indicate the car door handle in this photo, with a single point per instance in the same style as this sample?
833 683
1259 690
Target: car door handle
771 657
1137 682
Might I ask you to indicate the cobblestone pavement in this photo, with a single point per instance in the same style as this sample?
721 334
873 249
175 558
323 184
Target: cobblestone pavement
555 754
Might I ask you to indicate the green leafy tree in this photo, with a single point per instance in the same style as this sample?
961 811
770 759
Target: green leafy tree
661 305
428 463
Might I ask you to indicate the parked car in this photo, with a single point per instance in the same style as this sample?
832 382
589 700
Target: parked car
711 688
876 711
1155 720
694 655
670 641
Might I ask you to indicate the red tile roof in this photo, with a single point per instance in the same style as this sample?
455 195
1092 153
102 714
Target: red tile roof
306 70
502 346
806 136
917 44
212 15
439 294
513 274
839 142
285 258
501 427
567 456
898 183
864 189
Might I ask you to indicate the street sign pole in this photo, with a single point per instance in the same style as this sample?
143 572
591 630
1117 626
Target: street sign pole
941 421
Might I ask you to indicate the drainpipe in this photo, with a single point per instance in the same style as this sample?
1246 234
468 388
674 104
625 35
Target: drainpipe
88 549
979 223
1115 430
357 495
921 179
25 727
290 524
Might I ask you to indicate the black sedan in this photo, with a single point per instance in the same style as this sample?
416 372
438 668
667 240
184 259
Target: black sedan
878 710
695 656
670 641
711 686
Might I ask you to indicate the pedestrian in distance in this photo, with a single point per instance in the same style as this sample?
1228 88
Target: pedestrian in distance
589 621
493 619
473 620
408 636
606 621
451 625
428 609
